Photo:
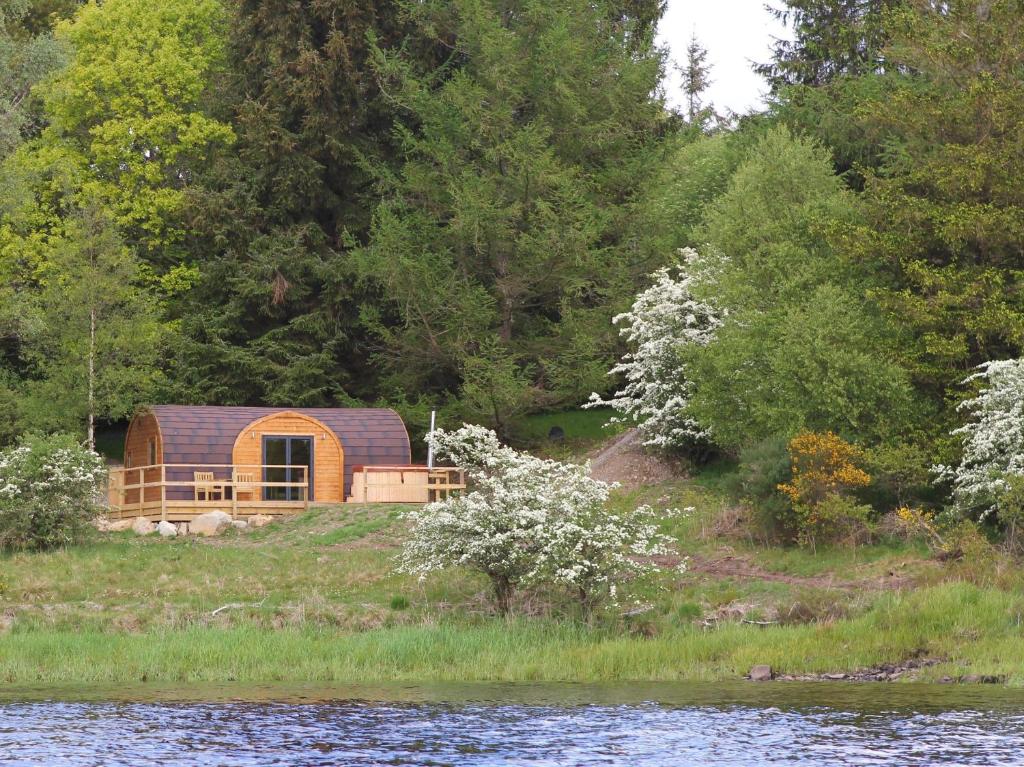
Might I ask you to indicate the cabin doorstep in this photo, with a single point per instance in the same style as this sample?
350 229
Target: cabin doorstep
184 460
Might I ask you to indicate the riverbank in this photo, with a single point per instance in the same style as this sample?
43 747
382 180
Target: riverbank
315 598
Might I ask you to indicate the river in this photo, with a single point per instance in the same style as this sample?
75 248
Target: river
634 725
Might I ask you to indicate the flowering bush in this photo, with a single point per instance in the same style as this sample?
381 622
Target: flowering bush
664 320
993 440
49 492
822 465
529 521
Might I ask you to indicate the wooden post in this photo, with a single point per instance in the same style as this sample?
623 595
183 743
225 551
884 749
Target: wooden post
163 492
234 494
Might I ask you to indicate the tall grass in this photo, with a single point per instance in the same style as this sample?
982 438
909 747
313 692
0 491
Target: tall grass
974 630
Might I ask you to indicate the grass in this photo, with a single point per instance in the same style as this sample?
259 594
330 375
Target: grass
316 598
978 631
582 429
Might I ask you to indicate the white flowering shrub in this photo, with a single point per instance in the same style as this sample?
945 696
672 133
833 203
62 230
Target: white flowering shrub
993 439
528 521
50 489
664 320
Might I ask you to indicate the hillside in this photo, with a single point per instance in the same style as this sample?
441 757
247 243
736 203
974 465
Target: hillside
315 597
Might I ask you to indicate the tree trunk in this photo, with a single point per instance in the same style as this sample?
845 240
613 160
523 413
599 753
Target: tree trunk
91 416
502 593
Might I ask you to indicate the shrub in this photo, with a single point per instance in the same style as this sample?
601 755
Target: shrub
663 323
822 465
993 439
763 468
49 492
528 521
1010 513
835 519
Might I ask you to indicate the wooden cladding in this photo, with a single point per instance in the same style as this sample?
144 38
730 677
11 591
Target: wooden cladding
328 455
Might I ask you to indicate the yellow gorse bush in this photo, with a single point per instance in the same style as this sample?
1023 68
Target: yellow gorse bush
823 464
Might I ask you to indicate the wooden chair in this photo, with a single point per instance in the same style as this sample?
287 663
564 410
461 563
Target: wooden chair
244 482
206 487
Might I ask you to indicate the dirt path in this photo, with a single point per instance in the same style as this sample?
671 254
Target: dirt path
625 461
733 566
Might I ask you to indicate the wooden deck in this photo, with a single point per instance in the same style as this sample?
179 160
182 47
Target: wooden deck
157 492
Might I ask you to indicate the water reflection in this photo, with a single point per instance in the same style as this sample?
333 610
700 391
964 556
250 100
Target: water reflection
771 724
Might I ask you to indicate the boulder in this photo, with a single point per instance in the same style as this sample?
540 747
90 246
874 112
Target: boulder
211 523
119 525
166 529
142 526
260 520
761 674
239 524
183 528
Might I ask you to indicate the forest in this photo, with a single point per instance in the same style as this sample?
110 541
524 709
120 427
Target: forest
448 204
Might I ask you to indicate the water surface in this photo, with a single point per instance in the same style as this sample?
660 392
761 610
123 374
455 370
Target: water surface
643 724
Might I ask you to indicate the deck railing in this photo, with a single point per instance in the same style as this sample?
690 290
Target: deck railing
160 489
404 484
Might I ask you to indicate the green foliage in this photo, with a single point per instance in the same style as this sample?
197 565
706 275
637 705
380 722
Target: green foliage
127 125
943 207
25 59
762 468
503 235
95 347
276 315
49 492
801 348
832 39
837 519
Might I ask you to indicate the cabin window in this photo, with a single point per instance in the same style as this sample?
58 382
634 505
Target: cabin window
152 451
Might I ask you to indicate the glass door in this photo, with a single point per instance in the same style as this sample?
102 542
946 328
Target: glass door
287 451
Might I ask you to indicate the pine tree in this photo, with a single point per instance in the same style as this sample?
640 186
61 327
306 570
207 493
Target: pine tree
696 81
506 228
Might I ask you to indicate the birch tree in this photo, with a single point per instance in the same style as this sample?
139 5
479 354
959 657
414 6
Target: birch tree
97 344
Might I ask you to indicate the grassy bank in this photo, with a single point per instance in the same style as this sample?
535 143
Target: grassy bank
976 630
315 598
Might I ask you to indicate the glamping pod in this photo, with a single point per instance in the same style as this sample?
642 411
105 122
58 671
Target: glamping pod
211 455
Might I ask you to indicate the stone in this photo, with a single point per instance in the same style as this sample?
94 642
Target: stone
239 524
183 528
971 679
833 677
761 674
142 526
166 529
260 520
120 525
211 523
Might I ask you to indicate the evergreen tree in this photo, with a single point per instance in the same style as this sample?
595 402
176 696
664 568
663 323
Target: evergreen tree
831 38
506 227
696 80
275 317
945 209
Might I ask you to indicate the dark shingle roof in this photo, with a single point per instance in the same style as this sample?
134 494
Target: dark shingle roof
206 433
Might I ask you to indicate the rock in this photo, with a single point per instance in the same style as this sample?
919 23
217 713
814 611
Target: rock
142 526
946 680
166 529
120 525
833 677
260 520
761 674
211 523
239 524
971 679
183 528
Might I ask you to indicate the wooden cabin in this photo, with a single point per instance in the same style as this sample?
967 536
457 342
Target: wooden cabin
183 460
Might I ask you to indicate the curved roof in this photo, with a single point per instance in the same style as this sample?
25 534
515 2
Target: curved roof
206 433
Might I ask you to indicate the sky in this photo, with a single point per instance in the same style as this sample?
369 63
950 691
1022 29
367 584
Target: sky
735 33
